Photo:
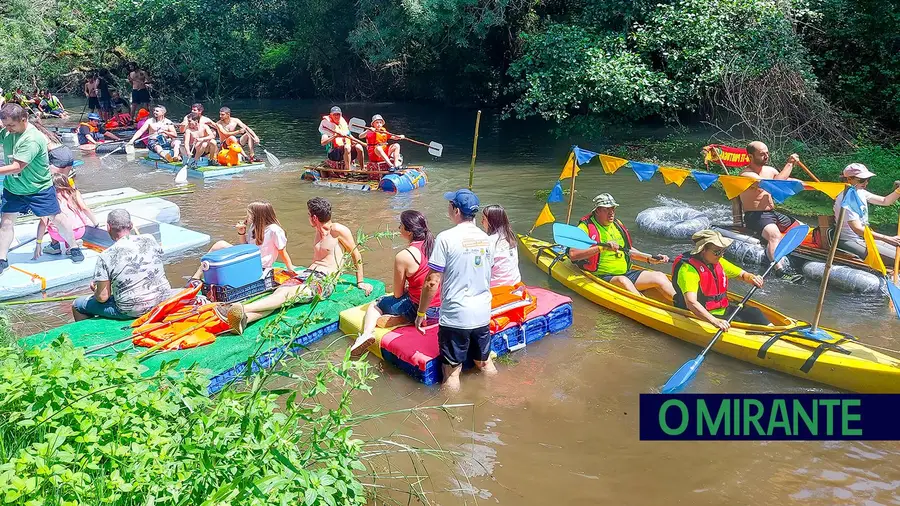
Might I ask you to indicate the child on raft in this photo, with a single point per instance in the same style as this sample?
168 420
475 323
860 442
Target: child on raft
505 269
72 206
272 241
410 271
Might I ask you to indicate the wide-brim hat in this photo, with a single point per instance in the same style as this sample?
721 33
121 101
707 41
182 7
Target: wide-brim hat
704 237
605 200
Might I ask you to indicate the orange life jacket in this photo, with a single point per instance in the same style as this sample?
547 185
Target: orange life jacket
90 126
713 292
375 138
510 304
178 323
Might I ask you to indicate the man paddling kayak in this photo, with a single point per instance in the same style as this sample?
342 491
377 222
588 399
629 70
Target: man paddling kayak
610 260
229 126
337 140
93 132
377 139
701 282
162 138
760 215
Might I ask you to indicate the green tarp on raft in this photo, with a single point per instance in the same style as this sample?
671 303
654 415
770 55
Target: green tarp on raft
226 358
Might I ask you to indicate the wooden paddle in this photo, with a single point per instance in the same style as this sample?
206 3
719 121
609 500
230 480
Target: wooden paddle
358 126
793 238
814 178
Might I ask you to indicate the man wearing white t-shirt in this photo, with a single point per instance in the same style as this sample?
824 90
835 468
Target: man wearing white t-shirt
461 265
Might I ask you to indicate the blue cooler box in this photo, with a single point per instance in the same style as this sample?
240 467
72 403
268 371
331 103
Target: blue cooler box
234 266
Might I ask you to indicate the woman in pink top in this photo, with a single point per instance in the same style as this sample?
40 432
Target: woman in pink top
410 270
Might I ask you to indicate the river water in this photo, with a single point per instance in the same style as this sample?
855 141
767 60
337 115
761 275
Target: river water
560 422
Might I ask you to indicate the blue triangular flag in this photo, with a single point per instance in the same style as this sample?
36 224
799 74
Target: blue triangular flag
556 194
852 201
643 171
704 179
894 292
781 189
582 155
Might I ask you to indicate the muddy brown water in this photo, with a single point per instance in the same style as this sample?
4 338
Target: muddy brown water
560 422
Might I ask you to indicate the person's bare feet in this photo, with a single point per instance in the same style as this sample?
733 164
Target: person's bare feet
489 369
451 385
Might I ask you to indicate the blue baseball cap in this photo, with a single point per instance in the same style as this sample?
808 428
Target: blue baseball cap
93 116
464 200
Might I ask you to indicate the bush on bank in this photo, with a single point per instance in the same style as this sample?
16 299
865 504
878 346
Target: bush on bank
93 431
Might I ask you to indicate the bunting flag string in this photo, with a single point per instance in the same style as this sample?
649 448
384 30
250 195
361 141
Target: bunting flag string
556 194
830 189
643 171
781 189
851 200
584 156
611 163
674 175
735 185
704 179
545 217
571 168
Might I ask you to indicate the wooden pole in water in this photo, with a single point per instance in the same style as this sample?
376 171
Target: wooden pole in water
474 150
828 264
572 187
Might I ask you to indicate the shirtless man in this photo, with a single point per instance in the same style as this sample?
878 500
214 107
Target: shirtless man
229 126
199 138
332 241
197 109
140 94
90 91
162 138
759 208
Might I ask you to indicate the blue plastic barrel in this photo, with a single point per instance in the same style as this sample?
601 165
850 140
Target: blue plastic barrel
401 183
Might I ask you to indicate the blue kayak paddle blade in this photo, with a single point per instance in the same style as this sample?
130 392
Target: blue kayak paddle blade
682 376
571 237
793 238
894 292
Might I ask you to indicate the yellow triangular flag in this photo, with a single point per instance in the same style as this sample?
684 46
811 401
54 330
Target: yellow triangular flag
735 185
830 189
571 165
611 164
545 217
674 175
873 257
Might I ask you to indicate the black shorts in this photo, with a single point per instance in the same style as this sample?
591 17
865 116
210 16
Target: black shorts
758 220
93 103
337 154
140 96
632 275
457 345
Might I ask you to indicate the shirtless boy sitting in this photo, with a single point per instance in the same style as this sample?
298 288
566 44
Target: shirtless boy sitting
332 241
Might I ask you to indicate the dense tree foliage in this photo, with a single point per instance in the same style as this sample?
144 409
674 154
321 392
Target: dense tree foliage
559 59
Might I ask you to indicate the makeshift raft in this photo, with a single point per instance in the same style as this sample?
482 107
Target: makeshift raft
26 276
203 169
225 359
376 177
418 355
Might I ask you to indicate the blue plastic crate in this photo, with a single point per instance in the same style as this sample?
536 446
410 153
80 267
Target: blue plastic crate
226 293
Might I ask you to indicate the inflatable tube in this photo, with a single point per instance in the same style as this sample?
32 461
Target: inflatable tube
109 147
407 181
846 279
672 222
745 253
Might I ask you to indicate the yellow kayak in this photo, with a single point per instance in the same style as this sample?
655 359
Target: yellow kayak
841 362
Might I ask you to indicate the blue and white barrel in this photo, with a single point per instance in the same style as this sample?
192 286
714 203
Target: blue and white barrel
401 183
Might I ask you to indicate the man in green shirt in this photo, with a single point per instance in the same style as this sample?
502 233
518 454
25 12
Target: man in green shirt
701 282
610 259
28 185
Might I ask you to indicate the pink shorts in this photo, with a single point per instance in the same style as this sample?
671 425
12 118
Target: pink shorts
54 234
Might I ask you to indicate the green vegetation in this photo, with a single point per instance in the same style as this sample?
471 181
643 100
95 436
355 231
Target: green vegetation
572 62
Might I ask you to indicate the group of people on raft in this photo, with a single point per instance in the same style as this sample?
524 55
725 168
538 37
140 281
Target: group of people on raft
41 103
342 147
197 136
